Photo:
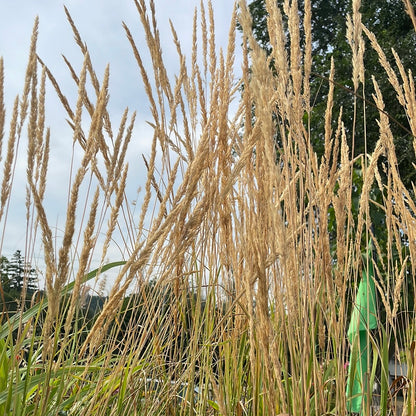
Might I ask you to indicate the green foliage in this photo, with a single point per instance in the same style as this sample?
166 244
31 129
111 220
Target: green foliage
329 41
17 273
241 303
17 278
393 29
29 385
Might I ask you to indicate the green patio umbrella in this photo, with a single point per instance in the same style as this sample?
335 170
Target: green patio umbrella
363 319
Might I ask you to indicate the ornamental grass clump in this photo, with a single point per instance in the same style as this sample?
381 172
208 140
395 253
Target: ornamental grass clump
235 283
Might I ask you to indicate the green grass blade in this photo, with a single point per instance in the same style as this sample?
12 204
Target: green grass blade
13 322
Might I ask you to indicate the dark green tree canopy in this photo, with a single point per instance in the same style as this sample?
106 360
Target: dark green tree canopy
393 29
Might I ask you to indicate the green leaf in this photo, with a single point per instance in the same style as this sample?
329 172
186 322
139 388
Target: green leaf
14 321
214 405
38 379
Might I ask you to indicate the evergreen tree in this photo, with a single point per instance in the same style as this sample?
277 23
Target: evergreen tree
5 281
14 274
19 271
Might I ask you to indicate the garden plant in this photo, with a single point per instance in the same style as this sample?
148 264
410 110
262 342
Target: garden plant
238 273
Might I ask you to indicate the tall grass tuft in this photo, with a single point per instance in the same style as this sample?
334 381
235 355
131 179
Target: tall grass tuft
235 282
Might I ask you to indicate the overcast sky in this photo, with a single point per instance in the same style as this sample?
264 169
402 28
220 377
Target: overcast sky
100 25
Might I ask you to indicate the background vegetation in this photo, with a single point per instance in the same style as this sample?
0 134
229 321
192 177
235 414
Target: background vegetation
242 265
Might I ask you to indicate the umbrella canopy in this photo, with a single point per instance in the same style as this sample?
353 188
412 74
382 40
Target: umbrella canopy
363 319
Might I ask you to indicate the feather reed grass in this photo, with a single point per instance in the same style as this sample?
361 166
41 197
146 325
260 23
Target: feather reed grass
241 267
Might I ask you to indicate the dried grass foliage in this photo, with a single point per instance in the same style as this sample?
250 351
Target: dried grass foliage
239 208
